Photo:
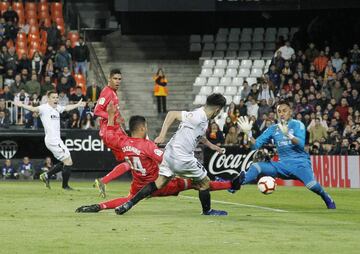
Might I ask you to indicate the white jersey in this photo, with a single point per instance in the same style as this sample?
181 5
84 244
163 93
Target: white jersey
50 118
193 126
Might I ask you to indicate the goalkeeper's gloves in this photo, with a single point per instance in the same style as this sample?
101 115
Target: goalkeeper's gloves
285 129
245 125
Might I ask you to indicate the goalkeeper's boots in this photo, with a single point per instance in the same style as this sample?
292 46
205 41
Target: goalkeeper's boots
101 186
330 203
213 212
88 209
237 182
45 179
124 208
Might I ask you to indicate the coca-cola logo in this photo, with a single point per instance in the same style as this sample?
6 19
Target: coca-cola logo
229 163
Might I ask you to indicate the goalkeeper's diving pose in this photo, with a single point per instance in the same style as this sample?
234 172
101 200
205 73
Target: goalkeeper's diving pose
289 138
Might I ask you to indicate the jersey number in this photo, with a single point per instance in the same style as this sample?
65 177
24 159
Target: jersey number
135 164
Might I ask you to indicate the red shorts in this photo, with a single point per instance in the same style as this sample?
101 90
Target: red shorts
173 188
119 155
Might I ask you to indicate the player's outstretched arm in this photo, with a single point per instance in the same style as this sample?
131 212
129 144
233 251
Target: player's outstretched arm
216 148
27 107
169 119
74 106
283 126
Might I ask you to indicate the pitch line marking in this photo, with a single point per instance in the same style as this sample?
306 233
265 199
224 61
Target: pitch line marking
239 204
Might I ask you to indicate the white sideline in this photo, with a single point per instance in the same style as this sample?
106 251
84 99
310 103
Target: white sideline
239 204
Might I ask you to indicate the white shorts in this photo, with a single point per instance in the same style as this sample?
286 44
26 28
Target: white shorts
58 149
188 168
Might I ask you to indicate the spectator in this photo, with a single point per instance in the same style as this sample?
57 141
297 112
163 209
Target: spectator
88 122
336 90
62 58
74 122
245 91
9 77
45 167
264 109
63 99
252 108
354 98
67 74
274 76
11 15
26 169
227 125
4 120
242 108
317 132
3 54
354 57
24 63
77 96
286 51
320 62
11 31
8 171
278 61
254 92
311 52
64 86
160 90
93 92
343 110
232 137
17 85
33 86
337 62
32 121
47 86
25 76
53 35
37 63
69 48
214 135
49 68
81 57
329 72
265 93
7 95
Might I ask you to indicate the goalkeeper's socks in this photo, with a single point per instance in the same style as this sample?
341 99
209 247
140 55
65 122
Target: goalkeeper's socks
205 199
66 176
325 196
116 172
144 192
55 169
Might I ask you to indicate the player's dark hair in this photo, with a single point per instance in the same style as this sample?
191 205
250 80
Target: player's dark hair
283 102
114 71
135 122
51 92
216 99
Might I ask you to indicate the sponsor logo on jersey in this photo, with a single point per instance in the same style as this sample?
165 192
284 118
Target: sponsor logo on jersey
131 149
88 144
8 148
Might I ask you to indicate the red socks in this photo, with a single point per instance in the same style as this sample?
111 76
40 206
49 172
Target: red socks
215 185
112 204
116 172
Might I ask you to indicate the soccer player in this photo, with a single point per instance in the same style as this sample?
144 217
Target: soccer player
50 118
179 154
289 138
144 157
107 95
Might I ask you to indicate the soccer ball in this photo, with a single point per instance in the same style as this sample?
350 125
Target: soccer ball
266 185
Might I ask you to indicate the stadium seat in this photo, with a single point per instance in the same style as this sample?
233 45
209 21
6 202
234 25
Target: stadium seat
283 31
200 81
236 99
208 64
4 6
79 78
18 6
199 100
10 44
259 30
230 72
231 90
206 72
245 37
228 99
205 55
251 80
233 46
225 81
218 72
31 14
237 81
255 54
219 89
243 73
271 30
270 46
218 55
258 46
213 81
258 38
247 30
21 44
209 46
233 38
61 28
243 54
205 90
208 38
245 46
221 64
233 64
21 51
230 54
268 55
195 38
223 31
30 6
221 46
56 6
46 22
258 64
293 30
257 73
221 38
43 7
43 15
235 31
32 21
195 47
246 64
270 37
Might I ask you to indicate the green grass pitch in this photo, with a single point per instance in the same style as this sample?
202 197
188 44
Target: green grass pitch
292 220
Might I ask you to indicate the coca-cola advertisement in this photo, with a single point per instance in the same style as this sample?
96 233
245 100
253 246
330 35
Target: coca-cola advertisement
229 164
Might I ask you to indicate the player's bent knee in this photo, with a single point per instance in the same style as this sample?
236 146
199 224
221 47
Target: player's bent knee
161 181
204 184
68 161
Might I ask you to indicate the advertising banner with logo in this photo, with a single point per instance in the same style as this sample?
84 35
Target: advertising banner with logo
330 171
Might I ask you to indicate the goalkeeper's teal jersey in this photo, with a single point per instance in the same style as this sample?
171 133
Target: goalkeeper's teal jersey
285 149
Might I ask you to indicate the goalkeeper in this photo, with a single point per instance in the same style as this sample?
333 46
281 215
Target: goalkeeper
289 138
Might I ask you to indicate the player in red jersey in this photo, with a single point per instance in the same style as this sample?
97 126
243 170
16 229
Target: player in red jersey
107 95
144 157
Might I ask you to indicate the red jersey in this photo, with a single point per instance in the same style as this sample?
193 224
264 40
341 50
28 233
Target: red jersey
106 95
142 154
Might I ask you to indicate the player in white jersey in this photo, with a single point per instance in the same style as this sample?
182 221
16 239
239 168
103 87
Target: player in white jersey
50 118
179 156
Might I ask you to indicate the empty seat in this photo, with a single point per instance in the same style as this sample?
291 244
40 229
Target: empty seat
245 46
225 81
270 46
256 72
205 90
206 72
293 30
237 81
223 31
258 46
233 46
221 46
209 46
268 62
283 31
219 89
218 72
195 47
200 81
245 37
271 30
235 30
255 54
233 64
228 99
231 90
251 80
208 38
258 38
230 54
206 55
270 37
246 64
199 100
213 81
247 30
243 54
218 55
258 64
231 72
195 38
268 55
243 73
221 38
259 30
208 64
221 64
233 38
236 99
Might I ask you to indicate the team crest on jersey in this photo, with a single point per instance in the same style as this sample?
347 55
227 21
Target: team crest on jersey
8 148
158 152
102 101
